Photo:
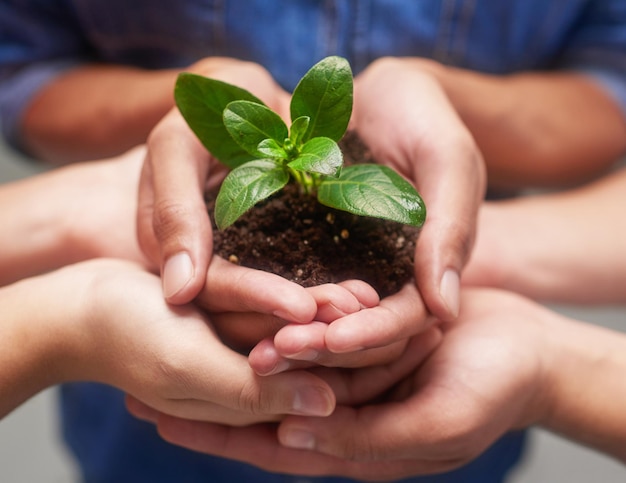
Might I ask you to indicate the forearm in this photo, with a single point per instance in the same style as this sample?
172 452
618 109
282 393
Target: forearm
96 111
32 237
586 386
560 247
538 129
69 214
31 343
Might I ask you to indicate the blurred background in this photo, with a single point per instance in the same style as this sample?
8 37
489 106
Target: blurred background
31 450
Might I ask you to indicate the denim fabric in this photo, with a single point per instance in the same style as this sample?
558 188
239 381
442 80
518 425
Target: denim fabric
40 38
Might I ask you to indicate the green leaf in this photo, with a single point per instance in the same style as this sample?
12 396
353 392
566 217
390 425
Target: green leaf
271 149
298 129
202 101
319 155
324 95
374 190
250 123
245 186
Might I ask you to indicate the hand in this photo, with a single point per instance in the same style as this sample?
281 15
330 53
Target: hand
122 332
102 214
405 118
352 388
485 378
70 214
173 224
267 302
376 334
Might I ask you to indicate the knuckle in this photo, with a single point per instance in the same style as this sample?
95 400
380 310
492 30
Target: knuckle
251 399
170 218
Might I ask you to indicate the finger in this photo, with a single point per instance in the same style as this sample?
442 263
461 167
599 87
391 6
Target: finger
140 410
258 445
181 224
333 301
397 317
216 384
363 385
259 304
364 292
145 210
444 244
233 288
265 360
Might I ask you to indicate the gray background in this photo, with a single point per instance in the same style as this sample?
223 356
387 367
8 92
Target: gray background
31 450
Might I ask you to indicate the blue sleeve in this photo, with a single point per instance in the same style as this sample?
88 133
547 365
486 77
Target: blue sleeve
597 47
39 39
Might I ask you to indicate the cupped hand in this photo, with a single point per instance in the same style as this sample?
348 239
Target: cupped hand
248 305
403 115
169 357
484 379
376 334
173 224
258 444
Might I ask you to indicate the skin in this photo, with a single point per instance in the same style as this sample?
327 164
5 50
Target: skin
580 240
471 109
505 364
106 320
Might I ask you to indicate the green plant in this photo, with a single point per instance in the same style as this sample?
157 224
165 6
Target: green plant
264 154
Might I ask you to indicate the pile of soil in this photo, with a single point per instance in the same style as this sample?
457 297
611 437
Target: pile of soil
294 236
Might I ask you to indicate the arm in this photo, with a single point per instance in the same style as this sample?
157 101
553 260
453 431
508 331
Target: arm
536 129
65 215
560 247
505 364
96 111
106 321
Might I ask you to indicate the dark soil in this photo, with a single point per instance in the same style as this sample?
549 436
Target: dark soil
294 236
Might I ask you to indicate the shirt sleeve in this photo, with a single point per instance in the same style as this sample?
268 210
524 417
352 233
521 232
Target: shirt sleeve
39 39
597 47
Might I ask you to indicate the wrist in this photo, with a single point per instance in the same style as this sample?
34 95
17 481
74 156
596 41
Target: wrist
34 339
584 385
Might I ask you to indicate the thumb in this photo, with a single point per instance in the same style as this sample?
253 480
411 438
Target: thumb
173 214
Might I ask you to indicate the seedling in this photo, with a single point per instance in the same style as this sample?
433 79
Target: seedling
264 154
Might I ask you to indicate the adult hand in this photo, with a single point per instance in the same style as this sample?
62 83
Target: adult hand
123 333
376 334
405 118
351 387
486 377
173 225
70 214
267 302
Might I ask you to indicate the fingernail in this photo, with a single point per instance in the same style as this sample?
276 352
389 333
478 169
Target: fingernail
177 272
309 401
450 291
298 439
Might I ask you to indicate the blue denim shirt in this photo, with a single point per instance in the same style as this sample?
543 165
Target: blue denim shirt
41 38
